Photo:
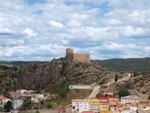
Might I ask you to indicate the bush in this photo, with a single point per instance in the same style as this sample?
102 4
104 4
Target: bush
49 106
37 111
116 78
100 93
123 93
8 106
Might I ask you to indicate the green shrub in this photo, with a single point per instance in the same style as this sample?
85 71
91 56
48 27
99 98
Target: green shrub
37 111
123 93
8 106
49 106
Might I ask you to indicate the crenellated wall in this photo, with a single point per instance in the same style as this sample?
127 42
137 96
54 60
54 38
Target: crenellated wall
78 57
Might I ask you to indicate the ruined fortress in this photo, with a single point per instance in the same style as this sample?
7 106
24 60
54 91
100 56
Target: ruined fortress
78 57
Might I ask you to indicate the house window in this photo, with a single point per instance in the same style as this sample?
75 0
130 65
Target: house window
73 107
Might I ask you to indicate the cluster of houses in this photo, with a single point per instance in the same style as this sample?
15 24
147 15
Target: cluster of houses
19 97
107 102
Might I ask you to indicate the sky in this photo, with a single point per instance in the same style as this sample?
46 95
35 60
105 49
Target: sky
41 30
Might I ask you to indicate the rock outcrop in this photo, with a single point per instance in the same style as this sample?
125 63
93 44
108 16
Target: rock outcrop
34 75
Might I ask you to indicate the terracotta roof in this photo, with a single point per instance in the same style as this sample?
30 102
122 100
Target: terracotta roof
110 96
11 93
128 104
101 97
112 103
87 112
3 98
126 73
119 105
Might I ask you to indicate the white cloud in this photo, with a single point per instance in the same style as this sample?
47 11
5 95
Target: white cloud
99 27
56 24
29 32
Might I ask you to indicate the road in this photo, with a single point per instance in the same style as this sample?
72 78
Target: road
96 88
94 92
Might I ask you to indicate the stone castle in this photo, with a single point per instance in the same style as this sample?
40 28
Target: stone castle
78 57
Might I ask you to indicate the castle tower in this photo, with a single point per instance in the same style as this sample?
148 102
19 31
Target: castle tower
69 53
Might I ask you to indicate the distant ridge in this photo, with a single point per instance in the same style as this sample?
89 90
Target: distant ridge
19 63
116 64
126 65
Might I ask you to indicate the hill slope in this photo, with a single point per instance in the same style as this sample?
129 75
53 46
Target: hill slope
8 79
59 74
133 64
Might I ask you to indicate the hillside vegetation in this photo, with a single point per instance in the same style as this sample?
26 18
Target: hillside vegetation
56 76
126 65
8 79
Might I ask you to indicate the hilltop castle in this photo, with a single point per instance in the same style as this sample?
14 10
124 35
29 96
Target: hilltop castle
78 57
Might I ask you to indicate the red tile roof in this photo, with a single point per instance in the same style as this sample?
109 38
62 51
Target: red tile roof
12 93
110 96
127 73
3 98
112 103
101 97
87 112
119 105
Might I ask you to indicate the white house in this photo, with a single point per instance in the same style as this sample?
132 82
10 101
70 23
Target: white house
134 99
79 105
80 86
30 92
37 97
3 101
21 90
128 74
125 99
84 106
126 110
17 103
133 109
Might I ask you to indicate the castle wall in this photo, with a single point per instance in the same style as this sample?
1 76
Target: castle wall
81 58
78 57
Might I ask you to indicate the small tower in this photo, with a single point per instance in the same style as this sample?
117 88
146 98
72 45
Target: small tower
69 53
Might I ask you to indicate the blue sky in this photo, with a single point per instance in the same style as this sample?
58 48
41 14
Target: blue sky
41 30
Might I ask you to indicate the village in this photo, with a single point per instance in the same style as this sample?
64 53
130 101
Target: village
20 97
103 100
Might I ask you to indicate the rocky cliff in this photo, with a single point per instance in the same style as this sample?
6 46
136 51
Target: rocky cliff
34 75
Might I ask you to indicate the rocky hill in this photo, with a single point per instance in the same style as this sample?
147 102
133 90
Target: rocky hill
135 85
61 72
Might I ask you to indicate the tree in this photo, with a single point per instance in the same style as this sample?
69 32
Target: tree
8 106
116 78
123 93
37 111
49 106
135 74
100 93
